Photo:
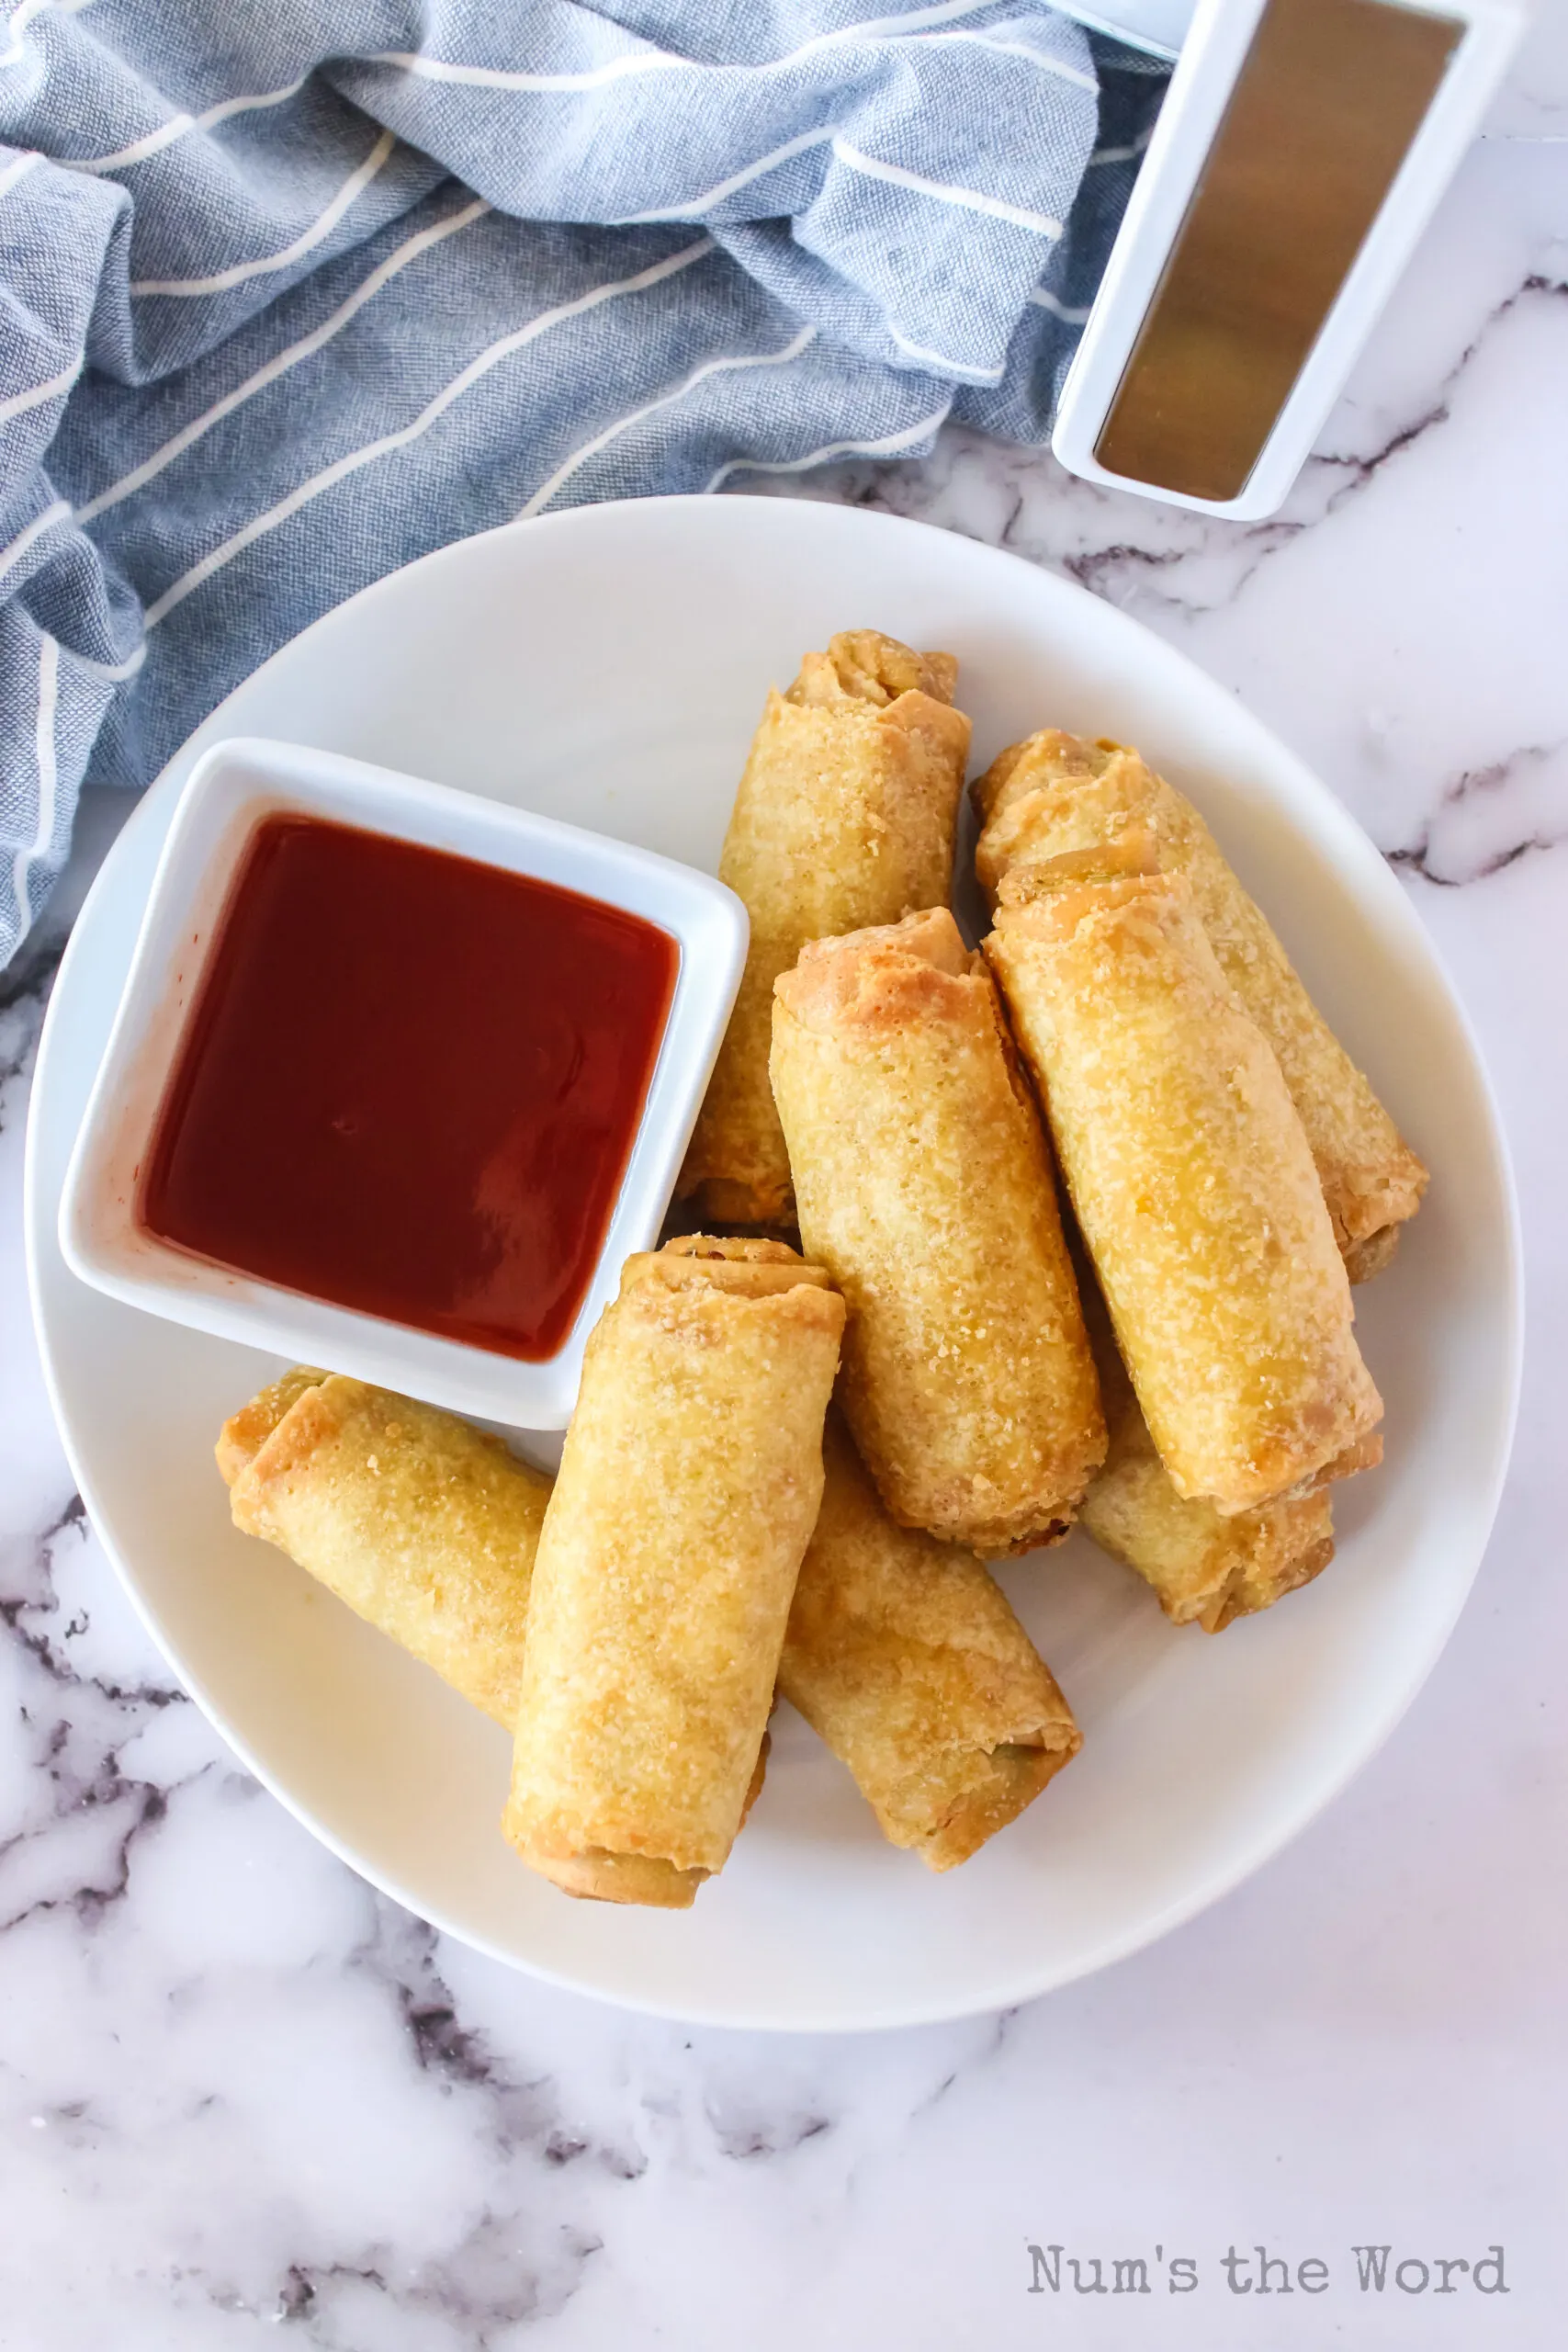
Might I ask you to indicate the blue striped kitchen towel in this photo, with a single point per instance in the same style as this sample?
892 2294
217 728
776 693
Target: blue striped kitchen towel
291 294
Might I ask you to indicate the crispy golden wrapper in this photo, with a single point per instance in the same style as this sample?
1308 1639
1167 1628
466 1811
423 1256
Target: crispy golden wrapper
845 816
1195 1191
426 1526
924 1186
1053 808
688 1487
904 1655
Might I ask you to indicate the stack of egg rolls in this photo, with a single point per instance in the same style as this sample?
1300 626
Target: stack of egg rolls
426 1526
922 1183
845 816
1061 818
1054 807
902 1653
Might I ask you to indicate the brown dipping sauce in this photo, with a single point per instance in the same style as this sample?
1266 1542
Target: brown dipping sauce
410 1084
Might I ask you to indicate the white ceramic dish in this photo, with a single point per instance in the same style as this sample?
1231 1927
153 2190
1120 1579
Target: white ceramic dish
226 796
1201 1756
1220 57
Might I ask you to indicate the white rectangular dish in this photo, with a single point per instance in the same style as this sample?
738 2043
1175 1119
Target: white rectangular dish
236 785
1301 151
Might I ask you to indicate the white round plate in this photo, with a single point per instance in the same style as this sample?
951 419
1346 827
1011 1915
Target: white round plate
608 665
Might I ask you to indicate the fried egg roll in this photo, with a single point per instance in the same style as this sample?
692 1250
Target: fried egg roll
326 1495
904 1654
1054 807
923 1184
901 1652
845 816
426 1526
1194 1189
688 1487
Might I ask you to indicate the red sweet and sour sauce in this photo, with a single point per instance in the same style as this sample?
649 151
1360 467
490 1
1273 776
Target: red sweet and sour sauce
410 1084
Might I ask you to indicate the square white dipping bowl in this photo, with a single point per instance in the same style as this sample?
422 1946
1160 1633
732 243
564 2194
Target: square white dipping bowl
230 793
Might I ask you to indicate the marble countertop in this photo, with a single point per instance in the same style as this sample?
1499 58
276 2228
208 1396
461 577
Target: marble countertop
239 2091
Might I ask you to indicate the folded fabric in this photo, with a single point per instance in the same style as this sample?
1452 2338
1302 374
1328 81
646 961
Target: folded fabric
291 296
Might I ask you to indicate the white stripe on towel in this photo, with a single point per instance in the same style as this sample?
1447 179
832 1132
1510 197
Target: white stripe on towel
259 524
1056 65
971 200
35 394
178 443
691 206
965 368
178 125
887 446
614 69
716 193
579 458
502 78
1071 315
322 227
1124 154
23 17
115 671
17 26
909 23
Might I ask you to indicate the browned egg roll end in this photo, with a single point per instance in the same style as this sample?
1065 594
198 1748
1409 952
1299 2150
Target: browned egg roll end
1019 769
1364 1453
599 1876
862 665
875 981
746 1266
1304 1553
244 1433
1365 1259
595 1876
995 1787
